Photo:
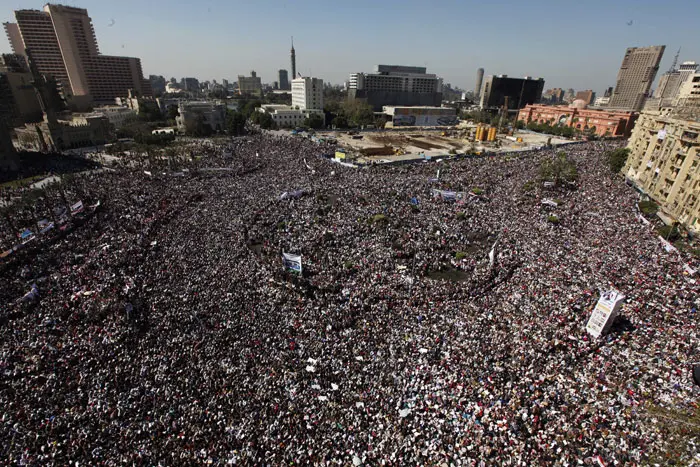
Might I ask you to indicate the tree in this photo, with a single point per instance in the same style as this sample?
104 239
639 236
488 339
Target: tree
558 169
235 123
149 111
173 112
247 107
358 113
264 120
340 122
617 159
198 127
314 121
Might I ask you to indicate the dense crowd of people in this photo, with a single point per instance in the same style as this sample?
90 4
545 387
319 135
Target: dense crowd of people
165 330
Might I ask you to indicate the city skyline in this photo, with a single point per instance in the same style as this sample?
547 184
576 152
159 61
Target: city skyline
213 41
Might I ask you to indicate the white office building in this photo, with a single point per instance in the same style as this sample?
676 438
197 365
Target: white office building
288 117
307 93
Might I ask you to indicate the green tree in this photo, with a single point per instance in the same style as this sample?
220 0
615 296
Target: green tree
235 123
617 159
558 169
340 121
247 107
198 127
358 113
149 111
173 112
264 120
314 121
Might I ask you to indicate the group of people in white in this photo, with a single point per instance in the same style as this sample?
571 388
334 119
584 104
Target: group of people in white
170 328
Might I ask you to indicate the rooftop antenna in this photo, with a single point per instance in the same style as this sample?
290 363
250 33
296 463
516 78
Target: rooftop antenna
675 61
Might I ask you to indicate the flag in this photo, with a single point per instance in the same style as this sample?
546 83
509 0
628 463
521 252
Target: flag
449 195
42 223
76 208
291 262
549 202
492 254
32 295
26 235
46 228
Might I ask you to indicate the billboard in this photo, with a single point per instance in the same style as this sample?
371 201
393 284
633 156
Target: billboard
604 313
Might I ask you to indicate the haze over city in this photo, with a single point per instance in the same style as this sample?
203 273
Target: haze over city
570 44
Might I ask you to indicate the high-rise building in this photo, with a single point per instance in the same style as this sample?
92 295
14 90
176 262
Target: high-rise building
283 79
394 85
307 93
479 81
157 83
190 84
569 95
663 161
553 96
608 92
687 102
250 84
19 79
671 81
63 43
637 73
294 61
519 91
588 96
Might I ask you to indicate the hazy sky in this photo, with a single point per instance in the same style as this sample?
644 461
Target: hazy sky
570 44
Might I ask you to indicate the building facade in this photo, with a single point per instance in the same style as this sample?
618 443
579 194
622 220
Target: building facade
288 117
687 102
553 96
118 116
19 78
213 113
519 91
601 101
664 162
393 85
283 80
637 73
250 85
63 45
479 81
67 132
599 122
587 96
307 93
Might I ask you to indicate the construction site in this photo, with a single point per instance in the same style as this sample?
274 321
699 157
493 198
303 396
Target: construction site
406 144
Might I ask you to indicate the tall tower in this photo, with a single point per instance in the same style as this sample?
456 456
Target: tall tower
479 80
637 72
294 61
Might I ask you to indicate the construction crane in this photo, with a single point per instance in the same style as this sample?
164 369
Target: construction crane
504 111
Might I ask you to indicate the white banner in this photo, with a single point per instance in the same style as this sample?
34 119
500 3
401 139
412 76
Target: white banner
76 208
291 262
604 313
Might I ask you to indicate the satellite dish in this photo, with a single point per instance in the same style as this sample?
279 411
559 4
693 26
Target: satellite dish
696 374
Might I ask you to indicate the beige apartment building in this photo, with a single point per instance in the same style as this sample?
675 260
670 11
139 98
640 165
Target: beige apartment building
63 44
637 73
664 163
